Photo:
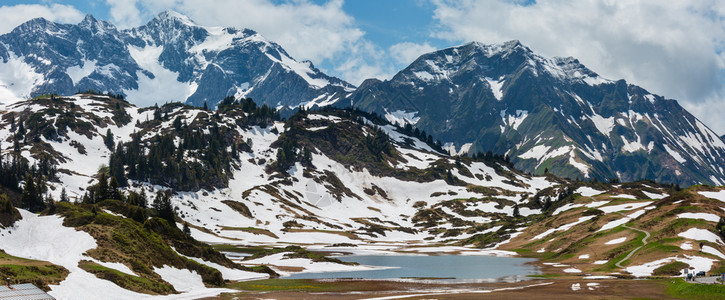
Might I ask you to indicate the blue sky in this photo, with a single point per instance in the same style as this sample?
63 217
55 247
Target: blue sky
671 48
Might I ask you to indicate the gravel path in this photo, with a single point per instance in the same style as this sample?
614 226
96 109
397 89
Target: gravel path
644 241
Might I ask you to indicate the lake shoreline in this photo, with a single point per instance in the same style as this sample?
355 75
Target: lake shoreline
557 288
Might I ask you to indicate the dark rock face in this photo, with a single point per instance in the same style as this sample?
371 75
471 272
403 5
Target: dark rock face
197 64
545 113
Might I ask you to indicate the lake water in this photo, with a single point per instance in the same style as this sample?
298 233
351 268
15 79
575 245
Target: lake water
449 267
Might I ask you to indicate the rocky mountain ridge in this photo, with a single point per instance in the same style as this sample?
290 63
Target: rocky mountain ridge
547 114
169 59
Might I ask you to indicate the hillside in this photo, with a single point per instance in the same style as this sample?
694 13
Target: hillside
546 114
246 181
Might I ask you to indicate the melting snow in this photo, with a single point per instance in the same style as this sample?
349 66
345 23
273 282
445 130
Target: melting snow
571 270
496 88
587 191
713 251
696 262
17 79
701 235
562 227
604 125
183 280
616 241
77 73
719 195
401 117
164 87
703 216
674 154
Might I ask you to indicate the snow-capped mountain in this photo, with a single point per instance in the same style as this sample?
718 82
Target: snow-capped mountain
547 114
169 59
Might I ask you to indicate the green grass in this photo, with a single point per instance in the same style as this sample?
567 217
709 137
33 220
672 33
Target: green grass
23 270
620 252
299 252
127 281
286 285
142 246
238 249
671 269
681 289
40 275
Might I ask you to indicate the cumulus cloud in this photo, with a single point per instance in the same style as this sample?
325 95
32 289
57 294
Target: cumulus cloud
363 61
124 13
14 15
669 47
406 52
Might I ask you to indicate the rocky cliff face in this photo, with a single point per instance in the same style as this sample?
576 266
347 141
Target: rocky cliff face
547 114
169 59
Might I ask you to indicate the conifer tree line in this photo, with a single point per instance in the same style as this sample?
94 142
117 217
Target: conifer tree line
202 159
15 169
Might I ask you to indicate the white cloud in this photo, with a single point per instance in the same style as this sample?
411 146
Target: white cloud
406 52
14 15
124 13
363 61
667 47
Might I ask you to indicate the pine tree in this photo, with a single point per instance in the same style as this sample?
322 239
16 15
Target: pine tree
64 196
108 140
186 229
113 191
31 197
163 207
101 190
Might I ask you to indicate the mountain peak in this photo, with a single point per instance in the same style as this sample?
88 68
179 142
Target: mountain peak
95 25
172 15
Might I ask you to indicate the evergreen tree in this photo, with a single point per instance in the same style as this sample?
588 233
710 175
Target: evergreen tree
163 207
64 196
31 197
108 140
101 190
113 191
186 229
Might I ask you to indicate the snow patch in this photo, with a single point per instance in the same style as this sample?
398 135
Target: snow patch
164 87
701 235
616 241
702 216
17 79
77 73
496 87
401 117
604 125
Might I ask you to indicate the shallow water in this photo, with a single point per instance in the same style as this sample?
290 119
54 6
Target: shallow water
446 267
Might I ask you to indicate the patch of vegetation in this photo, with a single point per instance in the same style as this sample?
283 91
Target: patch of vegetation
671 269
253 230
239 207
143 246
299 252
287 285
39 273
682 289
127 281
8 213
